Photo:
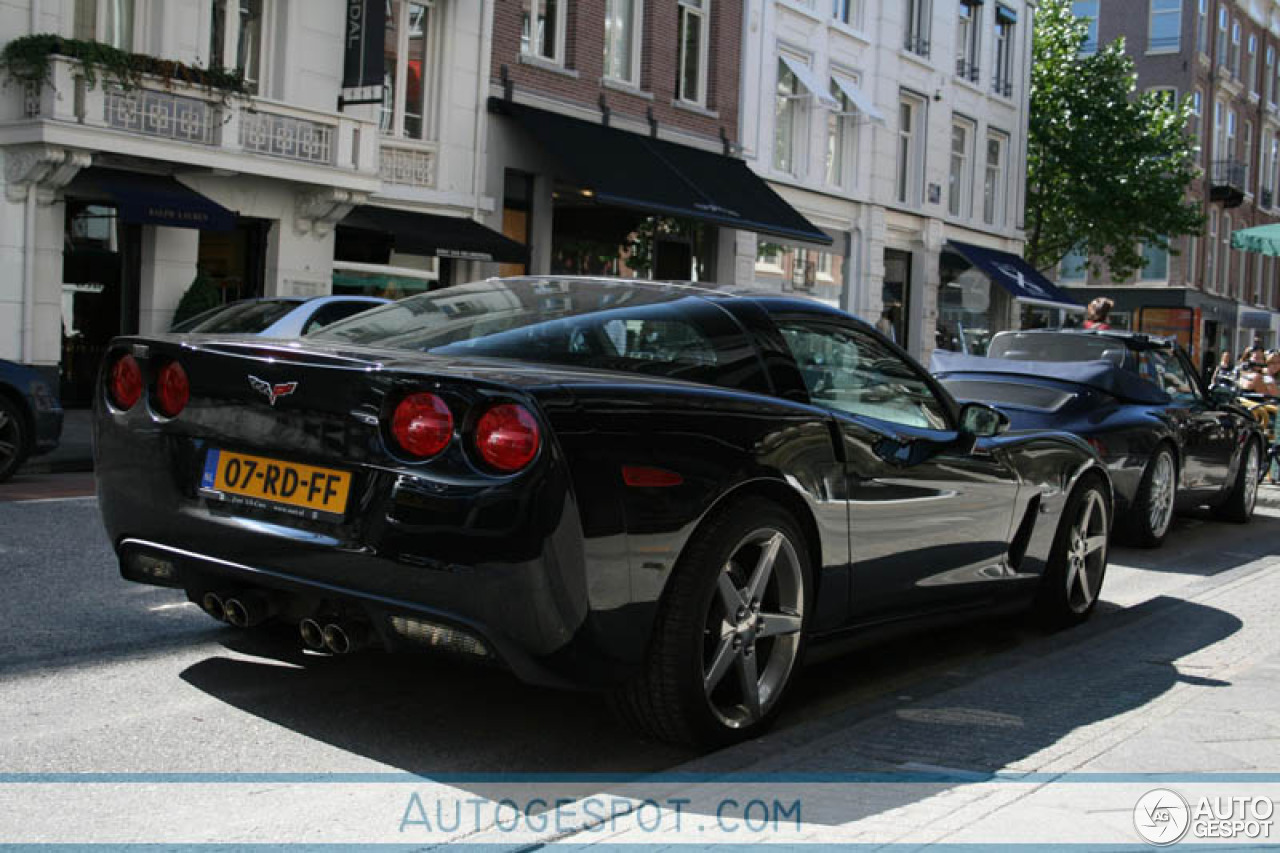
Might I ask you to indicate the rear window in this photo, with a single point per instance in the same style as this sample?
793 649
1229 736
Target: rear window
1050 346
1015 394
245 317
604 325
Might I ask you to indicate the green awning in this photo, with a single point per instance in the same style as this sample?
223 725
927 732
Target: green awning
1264 239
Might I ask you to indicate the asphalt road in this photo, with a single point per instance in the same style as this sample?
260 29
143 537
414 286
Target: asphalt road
102 676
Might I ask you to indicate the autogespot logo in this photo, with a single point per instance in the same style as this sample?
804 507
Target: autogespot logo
1162 817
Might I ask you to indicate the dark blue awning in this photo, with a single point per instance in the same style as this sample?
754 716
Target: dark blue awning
1017 276
144 199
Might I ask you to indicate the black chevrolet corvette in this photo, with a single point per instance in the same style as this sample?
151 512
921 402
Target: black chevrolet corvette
1168 441
661 490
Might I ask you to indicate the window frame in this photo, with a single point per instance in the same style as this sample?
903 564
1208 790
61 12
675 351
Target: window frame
797 116
918 32
1005 45
139 9
636 25
1235 48
846 120
1000 206
963 208
969 41
684 10
1174 14
400 76
1090 45
231 37
911 155
558 37
1251 49
1202 28
1224 24
852 17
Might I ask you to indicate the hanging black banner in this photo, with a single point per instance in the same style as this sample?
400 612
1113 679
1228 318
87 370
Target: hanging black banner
363 60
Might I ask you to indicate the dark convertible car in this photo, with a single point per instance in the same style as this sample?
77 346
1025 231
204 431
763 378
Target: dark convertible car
661 490
1166 439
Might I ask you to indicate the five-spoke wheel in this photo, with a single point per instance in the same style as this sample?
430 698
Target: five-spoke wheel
1077 563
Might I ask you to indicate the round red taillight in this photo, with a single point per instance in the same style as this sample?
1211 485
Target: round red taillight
507 437
172 390
124 383
422 425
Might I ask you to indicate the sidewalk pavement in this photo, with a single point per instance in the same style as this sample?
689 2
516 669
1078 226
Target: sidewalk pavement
75 449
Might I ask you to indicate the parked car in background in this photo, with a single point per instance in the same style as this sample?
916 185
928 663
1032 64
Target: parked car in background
30 417
632 486
1168 442
277 317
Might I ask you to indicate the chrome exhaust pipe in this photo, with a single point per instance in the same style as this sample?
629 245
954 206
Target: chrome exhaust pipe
342 638
247 609
213 604
312 634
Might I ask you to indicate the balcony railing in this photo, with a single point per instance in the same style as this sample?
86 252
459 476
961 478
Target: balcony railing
967 70
917 44
408 163
1002 87
203 120
1227 182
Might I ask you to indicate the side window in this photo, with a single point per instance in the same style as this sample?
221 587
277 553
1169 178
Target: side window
1166 371
852 371
333 312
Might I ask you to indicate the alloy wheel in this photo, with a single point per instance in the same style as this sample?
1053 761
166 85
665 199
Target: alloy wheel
1087 552
1252 473
1163 487
752 629
10 438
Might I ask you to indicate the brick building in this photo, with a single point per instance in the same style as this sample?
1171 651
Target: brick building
1225 56
613 135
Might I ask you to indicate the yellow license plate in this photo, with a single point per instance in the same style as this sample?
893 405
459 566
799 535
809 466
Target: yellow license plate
257 479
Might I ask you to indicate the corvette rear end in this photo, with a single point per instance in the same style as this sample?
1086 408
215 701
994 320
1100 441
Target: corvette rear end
421 505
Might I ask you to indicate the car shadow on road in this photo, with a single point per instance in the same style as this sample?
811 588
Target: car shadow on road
1201 545
437 718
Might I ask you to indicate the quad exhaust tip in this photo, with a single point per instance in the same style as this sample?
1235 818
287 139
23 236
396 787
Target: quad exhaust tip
312 634
213 604
342 638
247 609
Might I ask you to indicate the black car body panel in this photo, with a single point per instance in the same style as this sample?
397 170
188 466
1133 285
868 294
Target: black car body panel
560 568
37 402
1122 415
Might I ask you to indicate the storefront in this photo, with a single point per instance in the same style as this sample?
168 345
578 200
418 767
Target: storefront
984 291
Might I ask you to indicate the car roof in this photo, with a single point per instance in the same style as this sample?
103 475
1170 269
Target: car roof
1134 340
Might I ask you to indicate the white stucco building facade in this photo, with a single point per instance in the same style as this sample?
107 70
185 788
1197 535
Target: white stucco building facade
285 159
897 126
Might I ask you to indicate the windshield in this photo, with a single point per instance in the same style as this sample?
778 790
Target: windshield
596 324
1060 346
248 317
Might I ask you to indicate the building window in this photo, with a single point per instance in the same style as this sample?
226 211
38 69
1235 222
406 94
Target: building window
993 179
1253 64
1270 73
1197 119
1165 26
110 22
969 41
1193 252
842 126
1155 263
1235 49
542 30
622 24
1224 281
788 118
1211 249
407 93
1229 143
1248 157
1223 23
1202 27
692 71
1088 10
960 179
919 18
1074 266
1274 178
1002 83
847 12
910 149
235 38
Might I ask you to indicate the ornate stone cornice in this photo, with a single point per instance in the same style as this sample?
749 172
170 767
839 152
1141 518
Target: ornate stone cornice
44 168
318 210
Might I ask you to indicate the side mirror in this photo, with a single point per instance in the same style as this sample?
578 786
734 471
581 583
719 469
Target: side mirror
982 421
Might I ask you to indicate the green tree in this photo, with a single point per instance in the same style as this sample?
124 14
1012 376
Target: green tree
201 296
1107 169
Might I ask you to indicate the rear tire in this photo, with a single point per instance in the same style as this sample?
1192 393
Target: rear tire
1149 518
729 635
1239 505
13 439
1077 564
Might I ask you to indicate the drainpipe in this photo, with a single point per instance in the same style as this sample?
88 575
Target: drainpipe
482 90
35 16
28 276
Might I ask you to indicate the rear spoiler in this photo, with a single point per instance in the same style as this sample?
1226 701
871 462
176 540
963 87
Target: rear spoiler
1101 374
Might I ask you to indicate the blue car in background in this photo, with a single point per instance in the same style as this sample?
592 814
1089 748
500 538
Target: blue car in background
30 417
